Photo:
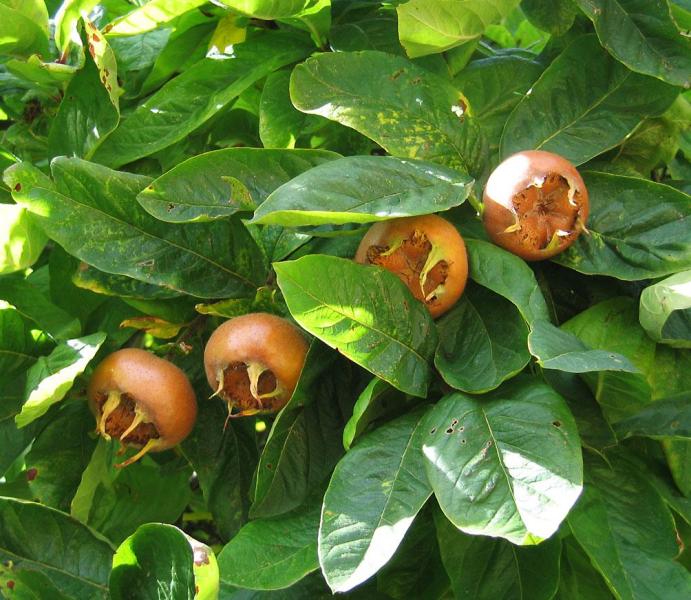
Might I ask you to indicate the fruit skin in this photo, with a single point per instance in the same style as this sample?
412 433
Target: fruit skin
447 245
513 176
263 340
158 387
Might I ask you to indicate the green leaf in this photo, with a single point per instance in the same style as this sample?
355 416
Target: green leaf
156 561
21 241
357 310
88 278
201 188
13 441
484 568
223 458
89 111
53 376
431 26
638 229
18 347
628 533
410 112
508 276
665 310
664 419
363 189
558 349
76 561
149 16
181 106
269 9
58 455
375 492
23 27
494 86
578 579
482 342
271 554
507 464
589 111
554 16
66 20
303 445
96 218
207 581
35 306
280 123
642 35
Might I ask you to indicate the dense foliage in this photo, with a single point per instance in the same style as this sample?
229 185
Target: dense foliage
170 164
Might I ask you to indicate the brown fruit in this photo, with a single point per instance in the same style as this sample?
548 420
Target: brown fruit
254 363
143 400
426 253
536 204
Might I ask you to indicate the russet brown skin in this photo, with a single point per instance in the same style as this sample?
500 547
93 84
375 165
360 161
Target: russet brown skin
527 206
262 339
160 388
415 234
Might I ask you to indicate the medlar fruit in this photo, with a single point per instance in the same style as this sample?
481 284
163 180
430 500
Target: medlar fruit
536 204
426 253
143 400
254 363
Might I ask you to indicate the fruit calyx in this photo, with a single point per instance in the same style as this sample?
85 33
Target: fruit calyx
122 417
247 387
418 262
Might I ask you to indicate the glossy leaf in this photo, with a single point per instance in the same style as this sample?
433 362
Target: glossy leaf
76 562
357 538
667 419
18 348
92 220
271 554
23 27
156 561
482 342
628 534
408 111
507 464
589 112
150 15
201 188
508 276
665 310
363 189
52 376
430 26
642 35
557 349
482 568
638 229
280 123
180 106
356 310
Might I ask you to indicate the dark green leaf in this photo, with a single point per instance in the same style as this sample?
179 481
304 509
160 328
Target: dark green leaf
628 534
373 497
665 310
200 188
357 310
271 554
363 189
642 35
157 562
669 418
553 16
49 380
76 561
637 230
402 107
482 342
482 568
579 113
13 441
507 464
96 218
558 349
100 282
18 348
192 98
578 578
